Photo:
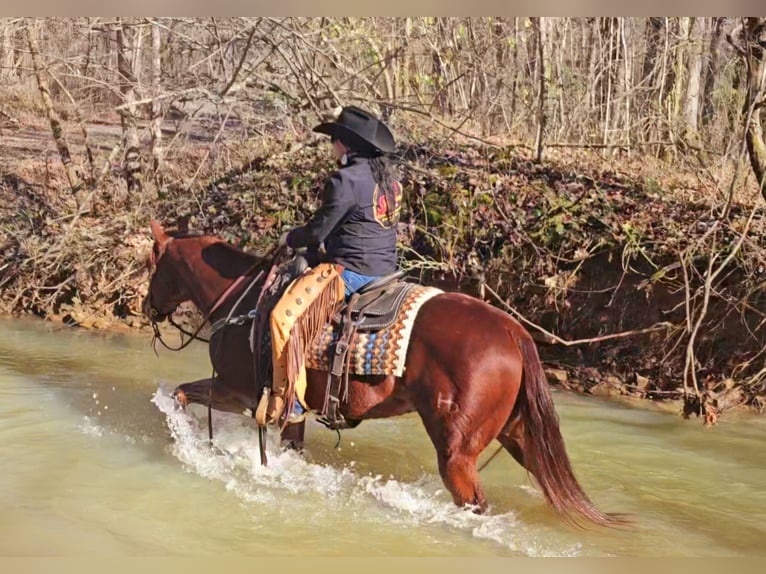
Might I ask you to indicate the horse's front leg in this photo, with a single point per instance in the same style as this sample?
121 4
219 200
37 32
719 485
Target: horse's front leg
293 435
213 393
188 393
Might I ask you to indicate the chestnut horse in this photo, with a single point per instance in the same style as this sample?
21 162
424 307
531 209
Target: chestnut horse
472 374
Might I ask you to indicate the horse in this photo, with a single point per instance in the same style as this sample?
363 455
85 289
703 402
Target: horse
473 374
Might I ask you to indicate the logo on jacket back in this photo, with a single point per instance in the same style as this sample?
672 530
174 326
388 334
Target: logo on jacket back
384 214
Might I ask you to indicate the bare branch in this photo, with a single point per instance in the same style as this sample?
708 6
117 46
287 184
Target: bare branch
550 338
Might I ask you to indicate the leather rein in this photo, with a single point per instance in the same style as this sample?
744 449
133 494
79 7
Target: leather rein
218 302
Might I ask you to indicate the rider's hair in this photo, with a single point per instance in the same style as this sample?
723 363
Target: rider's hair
383 172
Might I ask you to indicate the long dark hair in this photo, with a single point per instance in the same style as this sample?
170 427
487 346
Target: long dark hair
384 173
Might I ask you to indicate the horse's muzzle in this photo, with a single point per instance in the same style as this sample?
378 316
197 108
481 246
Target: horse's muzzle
150 312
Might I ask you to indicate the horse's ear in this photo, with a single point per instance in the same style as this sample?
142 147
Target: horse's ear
159 233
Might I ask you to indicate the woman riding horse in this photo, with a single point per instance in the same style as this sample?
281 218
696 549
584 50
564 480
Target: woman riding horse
355 229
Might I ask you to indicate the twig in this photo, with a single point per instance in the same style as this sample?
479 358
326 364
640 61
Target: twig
710 276
240 63
83 129
207 154
555 339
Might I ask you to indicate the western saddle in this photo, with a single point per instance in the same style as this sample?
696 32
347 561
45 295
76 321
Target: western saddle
372 308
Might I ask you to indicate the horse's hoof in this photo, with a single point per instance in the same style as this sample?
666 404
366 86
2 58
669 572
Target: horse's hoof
292 445
181 400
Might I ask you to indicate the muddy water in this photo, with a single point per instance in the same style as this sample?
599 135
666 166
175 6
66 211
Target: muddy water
97 462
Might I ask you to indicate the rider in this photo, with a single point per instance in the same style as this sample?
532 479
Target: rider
354 230
361 203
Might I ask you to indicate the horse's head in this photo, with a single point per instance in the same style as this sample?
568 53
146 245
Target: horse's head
166 291
191 267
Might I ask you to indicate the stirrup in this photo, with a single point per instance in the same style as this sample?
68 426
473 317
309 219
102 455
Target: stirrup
263 406
295 418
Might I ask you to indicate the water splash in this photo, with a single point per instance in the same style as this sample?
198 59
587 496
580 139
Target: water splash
89 427
234 460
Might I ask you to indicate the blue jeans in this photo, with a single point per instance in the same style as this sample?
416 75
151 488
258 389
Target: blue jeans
355 281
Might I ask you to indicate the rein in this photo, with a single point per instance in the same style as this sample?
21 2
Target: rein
187 333
218 302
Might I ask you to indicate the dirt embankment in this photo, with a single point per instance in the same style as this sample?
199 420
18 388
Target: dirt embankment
619 263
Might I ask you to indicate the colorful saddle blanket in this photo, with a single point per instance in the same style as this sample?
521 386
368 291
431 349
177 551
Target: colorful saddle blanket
381 352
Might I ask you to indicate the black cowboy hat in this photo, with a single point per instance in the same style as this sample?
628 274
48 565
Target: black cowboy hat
360 130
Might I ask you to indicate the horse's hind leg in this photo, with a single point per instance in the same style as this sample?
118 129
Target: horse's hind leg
512 438
458 455
458 445
460 476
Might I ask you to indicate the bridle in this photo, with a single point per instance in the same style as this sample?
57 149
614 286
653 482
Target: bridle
195 335
273 253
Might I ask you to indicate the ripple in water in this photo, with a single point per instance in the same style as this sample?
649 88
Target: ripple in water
234 460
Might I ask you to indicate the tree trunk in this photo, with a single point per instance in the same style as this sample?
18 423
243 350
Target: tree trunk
609 72
405 61
712 69
653 76
515 85
493 94
438 69
749 39
7 52
692 99
125 66
653 33
539 26
676 75
58 133
156 121
621 104
593 37
559 39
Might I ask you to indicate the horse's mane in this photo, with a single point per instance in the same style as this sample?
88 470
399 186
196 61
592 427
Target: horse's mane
214 240
226 257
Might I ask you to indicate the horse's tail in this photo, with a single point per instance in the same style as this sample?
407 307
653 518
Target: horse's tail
545 455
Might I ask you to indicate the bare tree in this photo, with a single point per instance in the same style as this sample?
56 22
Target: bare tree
609 81
156 120
539 27
128 45
7 49
680 71
749 39
712 69
694 85
53 117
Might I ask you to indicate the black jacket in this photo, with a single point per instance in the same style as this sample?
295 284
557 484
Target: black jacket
353 223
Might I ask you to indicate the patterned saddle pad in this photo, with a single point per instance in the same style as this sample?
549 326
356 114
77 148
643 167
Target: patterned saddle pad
381 352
